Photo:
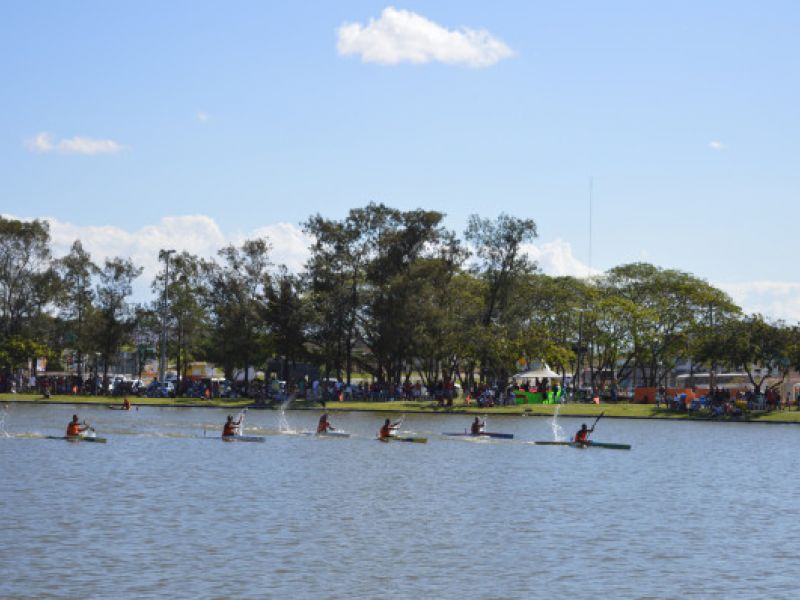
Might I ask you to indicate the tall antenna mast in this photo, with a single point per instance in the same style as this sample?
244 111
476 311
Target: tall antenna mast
591 187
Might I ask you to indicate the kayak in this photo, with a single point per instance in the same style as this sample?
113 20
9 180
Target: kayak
589 444
491 434
415 440
243 438
78 438
117 407
340 434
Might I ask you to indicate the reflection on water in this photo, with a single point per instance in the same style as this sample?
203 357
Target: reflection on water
695 509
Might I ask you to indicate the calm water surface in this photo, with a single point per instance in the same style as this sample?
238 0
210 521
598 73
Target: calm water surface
702 510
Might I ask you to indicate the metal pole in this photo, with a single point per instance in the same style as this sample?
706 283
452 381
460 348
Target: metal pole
591 189
162 363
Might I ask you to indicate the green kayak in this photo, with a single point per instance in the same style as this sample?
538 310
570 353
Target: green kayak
78 438
589 444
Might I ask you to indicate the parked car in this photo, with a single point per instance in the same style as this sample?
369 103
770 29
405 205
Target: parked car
157 389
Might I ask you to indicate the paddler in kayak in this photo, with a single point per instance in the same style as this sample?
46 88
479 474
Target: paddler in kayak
231 427
324 425
75 428
388 429
582 436
477 426
126 404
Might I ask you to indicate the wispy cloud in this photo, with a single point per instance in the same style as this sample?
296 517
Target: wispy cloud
41 143
404 36
197 234
202 116
716 145
773 299
44 143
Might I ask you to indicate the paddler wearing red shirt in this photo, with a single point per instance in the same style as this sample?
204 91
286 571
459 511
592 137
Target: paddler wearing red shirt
126 404
386 430
75 428
324 425
231 427
582 436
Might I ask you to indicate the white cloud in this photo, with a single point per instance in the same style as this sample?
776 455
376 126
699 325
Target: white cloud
197 234
773 299
43 143
201 235
290 246
716 145
555 258
403 36
202 116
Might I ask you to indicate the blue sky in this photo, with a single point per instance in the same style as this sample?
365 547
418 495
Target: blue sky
249 114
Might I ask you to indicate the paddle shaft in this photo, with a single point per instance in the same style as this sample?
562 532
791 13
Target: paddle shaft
593 424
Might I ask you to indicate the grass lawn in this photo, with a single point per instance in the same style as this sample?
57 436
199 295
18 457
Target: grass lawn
620 410
69 399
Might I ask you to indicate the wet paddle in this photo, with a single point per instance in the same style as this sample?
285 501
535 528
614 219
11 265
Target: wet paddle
591 429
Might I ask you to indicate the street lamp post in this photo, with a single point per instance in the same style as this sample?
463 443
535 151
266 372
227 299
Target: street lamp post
162 363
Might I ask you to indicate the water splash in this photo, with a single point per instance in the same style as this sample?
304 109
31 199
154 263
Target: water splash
283 423
240 419
558 431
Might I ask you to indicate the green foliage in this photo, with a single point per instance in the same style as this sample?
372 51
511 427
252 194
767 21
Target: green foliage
235 300
16 351
387 292
28 285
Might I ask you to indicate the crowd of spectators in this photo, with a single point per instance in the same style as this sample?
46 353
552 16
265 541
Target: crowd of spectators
725 402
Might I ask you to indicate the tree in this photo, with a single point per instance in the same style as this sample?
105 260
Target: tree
75 300
397 240
441 310
501 261
359 287
287 316
27 286
146 328
761 348
114 319
336 272
186 311
665 307
236 300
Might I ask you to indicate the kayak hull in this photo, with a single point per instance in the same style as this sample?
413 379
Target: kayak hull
413 440
489 434
339 434
606 445
243 438
78 438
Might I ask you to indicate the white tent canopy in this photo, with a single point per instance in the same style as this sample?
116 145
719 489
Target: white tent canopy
540 372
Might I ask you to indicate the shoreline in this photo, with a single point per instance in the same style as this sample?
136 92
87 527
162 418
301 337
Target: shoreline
648 412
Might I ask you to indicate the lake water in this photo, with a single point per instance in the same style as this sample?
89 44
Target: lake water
704 510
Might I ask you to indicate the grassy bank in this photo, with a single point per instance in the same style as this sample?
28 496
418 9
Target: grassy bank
176 402
620 410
